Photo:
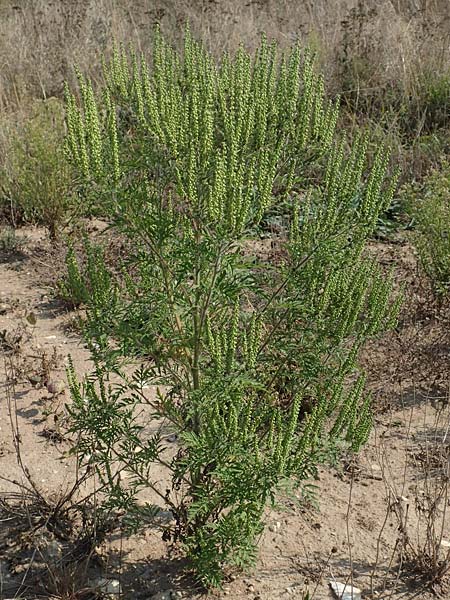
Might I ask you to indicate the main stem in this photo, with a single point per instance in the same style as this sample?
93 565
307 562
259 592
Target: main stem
197 326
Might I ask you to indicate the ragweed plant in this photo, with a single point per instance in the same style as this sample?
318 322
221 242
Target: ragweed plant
245 352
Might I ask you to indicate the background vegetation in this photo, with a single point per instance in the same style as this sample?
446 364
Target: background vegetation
389 60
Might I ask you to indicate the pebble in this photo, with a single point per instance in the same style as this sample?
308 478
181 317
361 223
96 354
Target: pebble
275 526
345 591
107 586
167 595
165 516
55 387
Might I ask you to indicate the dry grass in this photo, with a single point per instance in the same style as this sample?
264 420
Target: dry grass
364 45
419 500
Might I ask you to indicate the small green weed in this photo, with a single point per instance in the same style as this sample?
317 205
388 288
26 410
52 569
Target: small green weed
429 206
35 177
9 241
87 281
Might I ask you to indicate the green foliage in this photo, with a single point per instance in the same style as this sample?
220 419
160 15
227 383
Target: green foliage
35 176
88 282
429 106
247 356
429 205
9 242
73 287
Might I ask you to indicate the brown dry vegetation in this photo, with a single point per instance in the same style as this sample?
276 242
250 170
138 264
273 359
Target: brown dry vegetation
381 513
367 48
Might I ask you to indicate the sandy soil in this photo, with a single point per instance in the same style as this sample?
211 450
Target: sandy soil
354 530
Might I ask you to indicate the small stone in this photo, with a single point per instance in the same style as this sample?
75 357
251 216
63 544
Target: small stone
34 379
161 596
445 544
275 527
375 467
55 387
107 586
345 591
165 516
289 590
21 568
